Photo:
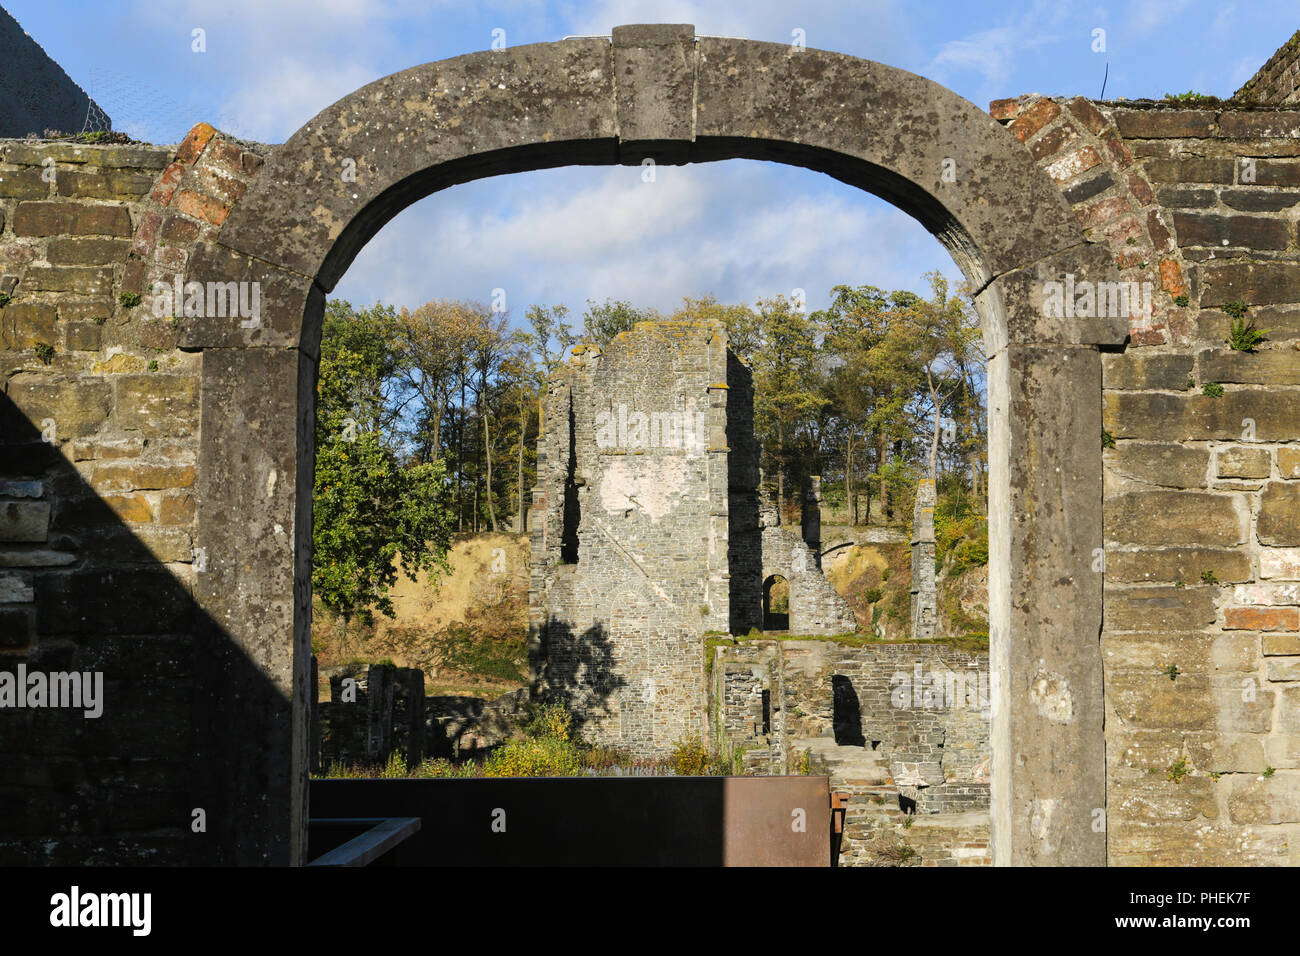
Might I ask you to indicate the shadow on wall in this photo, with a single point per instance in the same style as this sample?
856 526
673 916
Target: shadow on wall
580 671
183 712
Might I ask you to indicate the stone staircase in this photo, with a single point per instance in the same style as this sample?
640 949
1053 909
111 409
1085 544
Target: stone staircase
877 831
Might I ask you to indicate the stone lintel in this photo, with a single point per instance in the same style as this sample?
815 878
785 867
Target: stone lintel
654 91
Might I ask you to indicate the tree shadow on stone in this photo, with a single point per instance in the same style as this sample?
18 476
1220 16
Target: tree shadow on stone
578 670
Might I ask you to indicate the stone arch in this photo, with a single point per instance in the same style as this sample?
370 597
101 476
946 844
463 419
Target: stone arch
773 618
658 93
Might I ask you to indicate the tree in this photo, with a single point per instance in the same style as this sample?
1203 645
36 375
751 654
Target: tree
373 513
601 323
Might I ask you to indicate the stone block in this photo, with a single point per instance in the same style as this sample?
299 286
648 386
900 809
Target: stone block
1159 608
157 404
70 219
24 521
1281 563
81 280
1159 416
1262 618
78 406
76 252
1279 514
1175 518
1288 462
1168 565
1250 282
1244 461
1265 367
24 324
1263 800
1140 369
1251 232
1167 464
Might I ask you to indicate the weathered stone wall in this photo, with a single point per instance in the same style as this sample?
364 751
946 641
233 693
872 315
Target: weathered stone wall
633 547
1277 83
1202 509
923 707
1200 553
100 429
381 713
630 557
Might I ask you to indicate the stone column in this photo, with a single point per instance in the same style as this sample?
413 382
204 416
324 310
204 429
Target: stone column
925 597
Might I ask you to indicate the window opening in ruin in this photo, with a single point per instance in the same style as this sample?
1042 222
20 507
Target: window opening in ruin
572 511
846 713
776 604
767 712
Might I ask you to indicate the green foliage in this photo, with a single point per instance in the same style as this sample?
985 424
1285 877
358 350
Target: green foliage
1178 770
373 512
128 300
962 543
1172 672
872 595
1107 439
550 721
4 299
153 365
1269 771
534 757
602 322
1191 98
100 319
1243 336
1209 577
469 649
1212 389
1235 308
395 768
690 757
44 351
1181 301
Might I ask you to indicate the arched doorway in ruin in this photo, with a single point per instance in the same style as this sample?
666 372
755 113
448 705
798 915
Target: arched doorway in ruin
659 94
776 603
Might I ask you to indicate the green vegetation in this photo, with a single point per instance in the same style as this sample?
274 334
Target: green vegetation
1235 308
1191 98
372 503
1212 389
1172 672
44 351
1178 770
1243 336
1107 440
4 299
1209 577
128 300
1181 301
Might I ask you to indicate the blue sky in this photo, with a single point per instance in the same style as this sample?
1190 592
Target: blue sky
739 229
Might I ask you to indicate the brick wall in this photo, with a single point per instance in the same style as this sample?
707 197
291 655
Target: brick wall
100 432
1278 81
1202 507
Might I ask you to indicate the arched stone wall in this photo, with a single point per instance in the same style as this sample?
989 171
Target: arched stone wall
658 93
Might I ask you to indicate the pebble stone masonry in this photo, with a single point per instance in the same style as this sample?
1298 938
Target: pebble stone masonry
155 507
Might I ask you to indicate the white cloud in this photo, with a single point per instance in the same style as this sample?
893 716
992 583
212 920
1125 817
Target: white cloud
738 230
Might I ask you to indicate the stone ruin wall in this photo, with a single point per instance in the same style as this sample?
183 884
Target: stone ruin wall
769 696
646 509
1202 493
96 523
99 451
617 632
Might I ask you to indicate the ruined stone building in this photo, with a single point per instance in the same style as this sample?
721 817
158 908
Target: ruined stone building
648 532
